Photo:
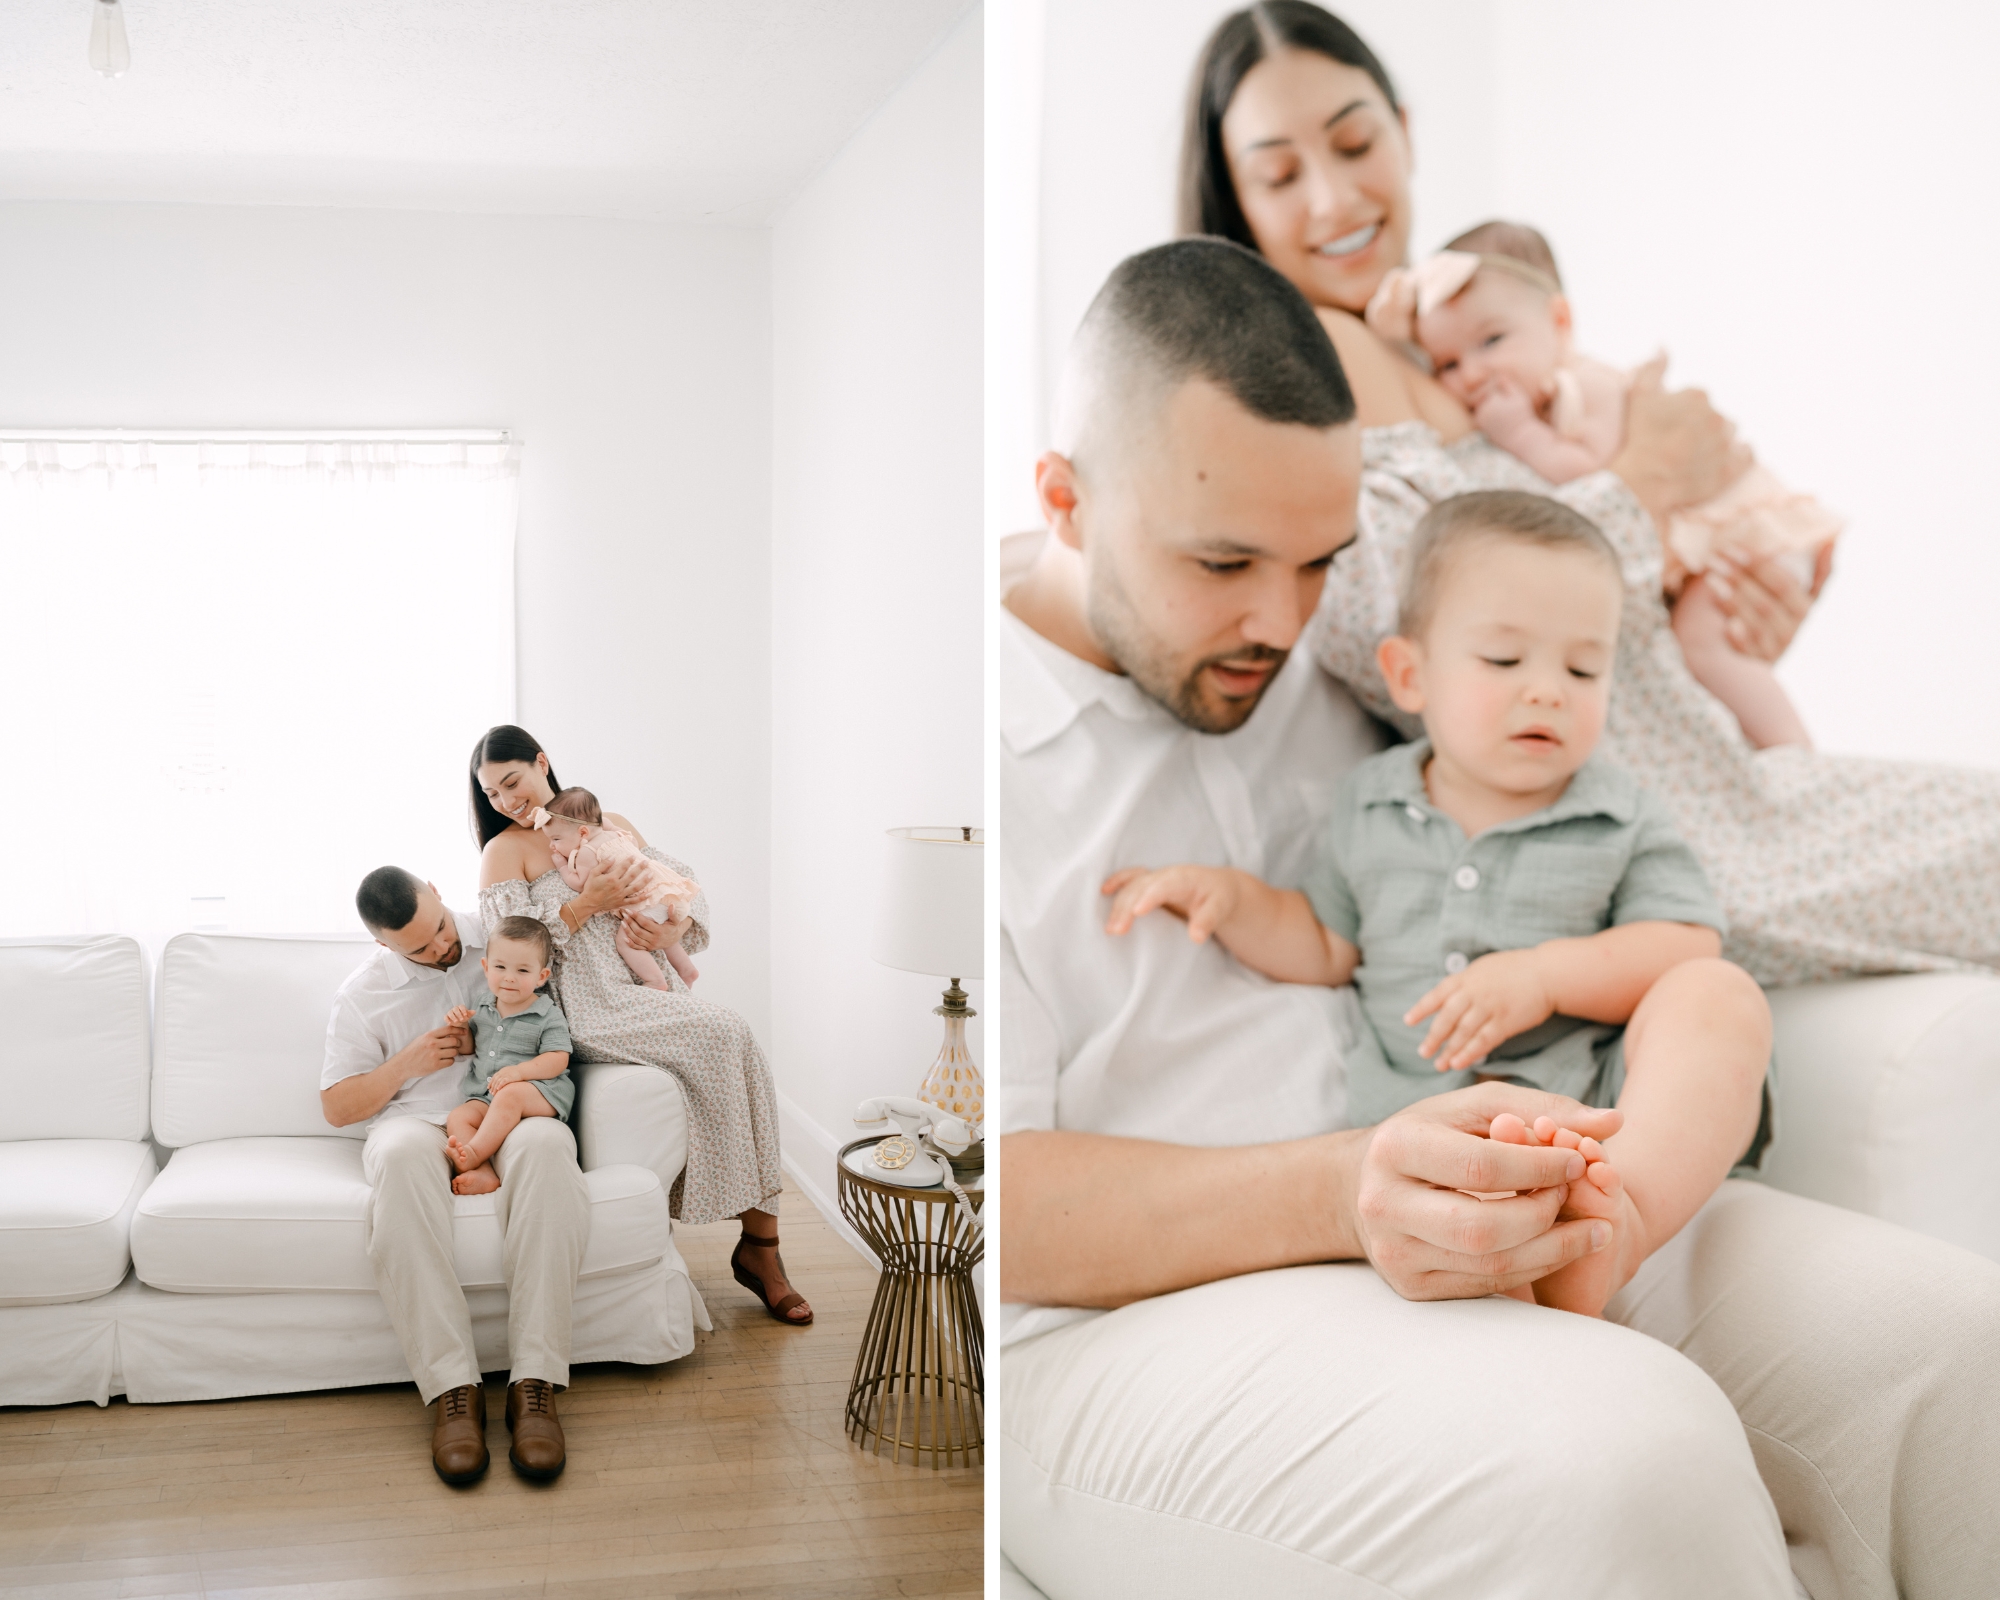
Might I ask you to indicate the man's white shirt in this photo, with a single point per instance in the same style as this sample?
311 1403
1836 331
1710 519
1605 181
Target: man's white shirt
1149 1035
388 1002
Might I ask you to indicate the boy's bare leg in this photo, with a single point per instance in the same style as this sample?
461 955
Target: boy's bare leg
1696 1051
643 966
1747 686
469 1175
510 1105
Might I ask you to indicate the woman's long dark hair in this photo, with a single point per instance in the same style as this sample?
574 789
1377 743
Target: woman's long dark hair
1208 202
504 743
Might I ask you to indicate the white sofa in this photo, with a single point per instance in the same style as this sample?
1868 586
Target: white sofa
178 1222
1888 1089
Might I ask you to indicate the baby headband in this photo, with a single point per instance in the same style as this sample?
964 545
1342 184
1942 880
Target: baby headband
1408 293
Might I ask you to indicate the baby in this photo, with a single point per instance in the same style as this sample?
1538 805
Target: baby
1490 313
1500 900
580 842
520 1055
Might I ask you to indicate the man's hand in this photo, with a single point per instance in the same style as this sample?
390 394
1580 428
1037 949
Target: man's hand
1428 1238
643 933
431 1052
1679 450
1481 1008
1203 897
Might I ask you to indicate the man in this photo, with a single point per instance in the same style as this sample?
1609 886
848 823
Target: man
1170 1120
392 1063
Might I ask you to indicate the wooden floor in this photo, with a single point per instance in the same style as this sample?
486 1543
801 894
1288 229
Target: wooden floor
726 1473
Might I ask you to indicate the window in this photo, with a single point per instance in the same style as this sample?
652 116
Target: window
244 670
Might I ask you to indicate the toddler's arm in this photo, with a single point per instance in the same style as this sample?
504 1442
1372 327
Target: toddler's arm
1272 931
549 1064
1749 687
1507 417
1601 978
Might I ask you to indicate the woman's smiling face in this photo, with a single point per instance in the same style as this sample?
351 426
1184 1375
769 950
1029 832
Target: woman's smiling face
516 787
1322 170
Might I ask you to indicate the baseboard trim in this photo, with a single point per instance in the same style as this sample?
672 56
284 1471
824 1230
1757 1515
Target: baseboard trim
811 1156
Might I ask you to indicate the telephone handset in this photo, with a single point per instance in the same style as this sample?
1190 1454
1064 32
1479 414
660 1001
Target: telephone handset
902 1158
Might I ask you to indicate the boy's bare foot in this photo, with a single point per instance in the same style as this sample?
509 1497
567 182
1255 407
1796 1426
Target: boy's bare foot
1587 1283
462 1156
480 1180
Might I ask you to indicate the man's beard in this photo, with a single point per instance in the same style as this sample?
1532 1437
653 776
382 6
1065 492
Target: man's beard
1140 656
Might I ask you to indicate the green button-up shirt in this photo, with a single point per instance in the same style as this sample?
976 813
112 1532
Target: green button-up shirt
499 1041
1398 878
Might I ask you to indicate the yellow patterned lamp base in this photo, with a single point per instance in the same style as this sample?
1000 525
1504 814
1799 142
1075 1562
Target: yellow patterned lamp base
953 1083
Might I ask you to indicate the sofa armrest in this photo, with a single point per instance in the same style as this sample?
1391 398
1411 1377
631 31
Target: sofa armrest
634 1114
1887 1092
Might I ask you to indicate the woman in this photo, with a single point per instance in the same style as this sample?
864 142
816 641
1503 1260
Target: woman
732 1159
1828 866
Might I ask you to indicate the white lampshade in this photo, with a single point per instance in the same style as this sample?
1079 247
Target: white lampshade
931 915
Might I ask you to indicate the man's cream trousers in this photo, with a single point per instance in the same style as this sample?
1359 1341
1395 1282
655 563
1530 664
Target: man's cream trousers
1787 1375
544 1213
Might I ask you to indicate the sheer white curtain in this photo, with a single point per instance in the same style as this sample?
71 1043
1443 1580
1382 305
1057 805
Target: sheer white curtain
243 671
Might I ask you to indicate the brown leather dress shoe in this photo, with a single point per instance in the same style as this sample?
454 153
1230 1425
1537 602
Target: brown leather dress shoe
458 1446
538 1450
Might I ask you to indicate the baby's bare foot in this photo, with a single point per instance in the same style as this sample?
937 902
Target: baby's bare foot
462 1156
480 1180
1587 1283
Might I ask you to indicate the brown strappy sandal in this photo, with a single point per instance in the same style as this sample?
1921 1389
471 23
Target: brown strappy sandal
755 1284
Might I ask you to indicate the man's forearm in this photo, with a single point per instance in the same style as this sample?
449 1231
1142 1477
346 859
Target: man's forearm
1091 1220
360 1097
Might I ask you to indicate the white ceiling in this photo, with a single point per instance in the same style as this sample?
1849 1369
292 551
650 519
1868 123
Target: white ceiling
713 110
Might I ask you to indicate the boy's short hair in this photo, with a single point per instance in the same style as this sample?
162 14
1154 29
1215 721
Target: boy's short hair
1515 240
579 805
526 930
1452 526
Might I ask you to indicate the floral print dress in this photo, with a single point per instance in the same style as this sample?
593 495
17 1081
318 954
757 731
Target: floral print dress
1827 866
732 1106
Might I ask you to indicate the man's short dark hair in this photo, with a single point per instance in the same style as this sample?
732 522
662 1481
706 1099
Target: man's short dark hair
387 899
525 930
1210 309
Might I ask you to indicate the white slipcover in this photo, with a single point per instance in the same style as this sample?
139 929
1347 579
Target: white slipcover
65 1214
241 1035
285 1216
73 1058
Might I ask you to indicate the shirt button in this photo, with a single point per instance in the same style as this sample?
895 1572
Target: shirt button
1455 962
1416 813
1466 877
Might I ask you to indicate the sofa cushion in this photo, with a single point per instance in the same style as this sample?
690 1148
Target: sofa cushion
74 1061
242 1034
65 1213
237 1216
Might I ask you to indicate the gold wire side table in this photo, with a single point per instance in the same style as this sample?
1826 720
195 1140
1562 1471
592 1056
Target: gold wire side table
919 1379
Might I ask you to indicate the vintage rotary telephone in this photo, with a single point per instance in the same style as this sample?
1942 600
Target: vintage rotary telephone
902 1158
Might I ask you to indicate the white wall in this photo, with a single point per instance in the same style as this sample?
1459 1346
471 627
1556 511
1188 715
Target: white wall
632 359
875 580
1761 187
1797 201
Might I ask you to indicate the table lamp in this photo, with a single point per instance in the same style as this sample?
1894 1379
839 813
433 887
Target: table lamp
931 919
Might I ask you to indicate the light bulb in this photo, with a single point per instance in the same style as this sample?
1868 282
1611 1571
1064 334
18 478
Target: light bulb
109 53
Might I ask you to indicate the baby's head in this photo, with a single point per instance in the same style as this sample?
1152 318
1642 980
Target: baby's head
1505 639
1511 319
516 963
573 816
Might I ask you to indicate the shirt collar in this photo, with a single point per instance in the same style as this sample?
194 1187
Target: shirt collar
489 1001
1047 689
1396 777
471 938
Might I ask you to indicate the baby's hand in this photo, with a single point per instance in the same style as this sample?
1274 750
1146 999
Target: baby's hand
1203 897
1481 1008
1502 405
